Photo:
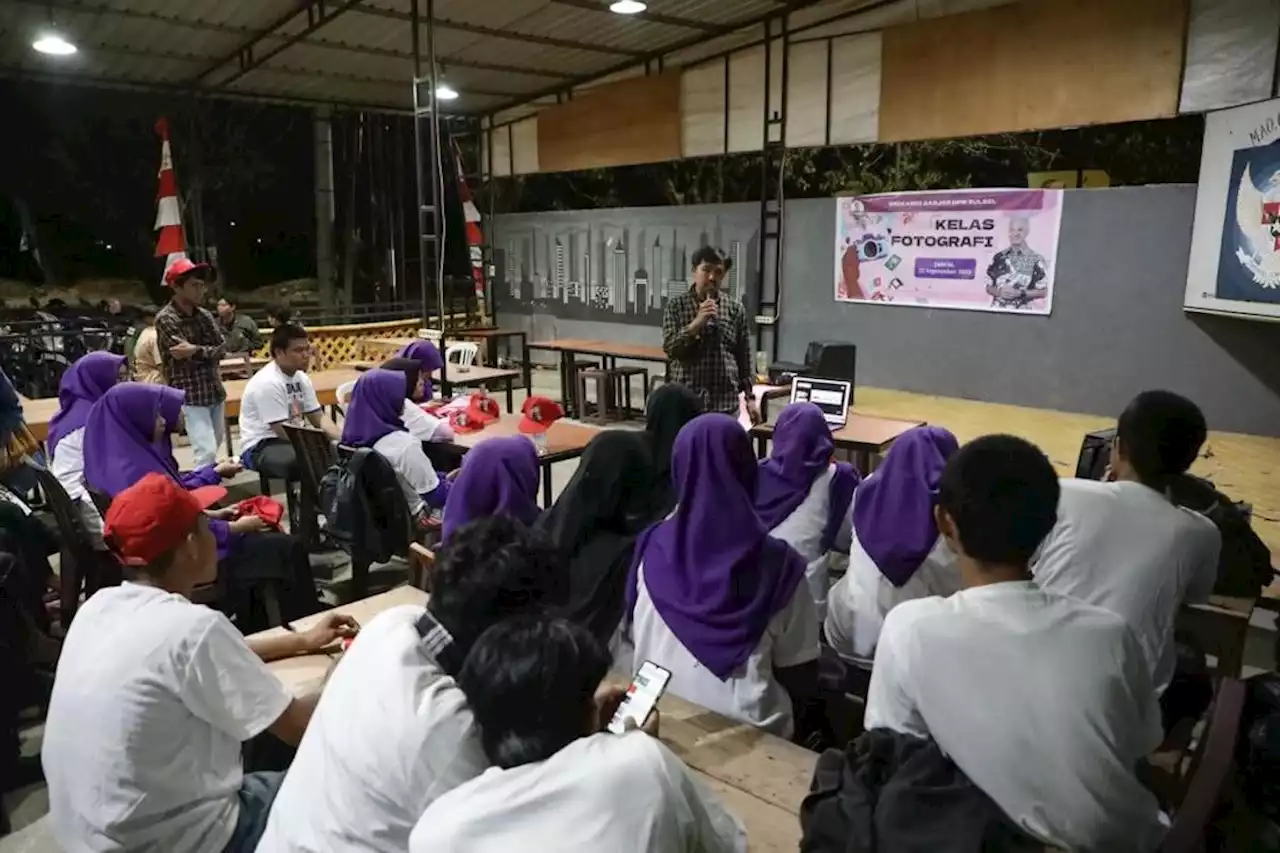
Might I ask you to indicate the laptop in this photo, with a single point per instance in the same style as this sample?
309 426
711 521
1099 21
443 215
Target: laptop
830 395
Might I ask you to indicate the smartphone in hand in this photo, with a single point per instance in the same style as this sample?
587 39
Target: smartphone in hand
642 696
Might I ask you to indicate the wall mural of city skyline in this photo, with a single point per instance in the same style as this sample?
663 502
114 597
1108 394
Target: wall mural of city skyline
620 265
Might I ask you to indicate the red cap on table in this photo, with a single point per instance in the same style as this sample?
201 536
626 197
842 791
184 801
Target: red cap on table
539 414
483 409
152 516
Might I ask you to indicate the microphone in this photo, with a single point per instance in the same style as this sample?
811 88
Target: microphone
711 323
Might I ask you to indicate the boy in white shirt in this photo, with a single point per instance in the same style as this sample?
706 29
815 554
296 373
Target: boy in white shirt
561 782
393 732
1043 701
155 695
278 394
1125 546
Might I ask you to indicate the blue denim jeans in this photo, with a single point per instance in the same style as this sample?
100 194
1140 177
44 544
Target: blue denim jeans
257 793
206 428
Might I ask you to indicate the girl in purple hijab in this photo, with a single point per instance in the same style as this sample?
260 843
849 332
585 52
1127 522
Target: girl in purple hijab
374 421
895 551
82 385
126 438
499 475
429 358
802 496
713 597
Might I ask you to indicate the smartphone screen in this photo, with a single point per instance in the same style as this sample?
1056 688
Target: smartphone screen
643 694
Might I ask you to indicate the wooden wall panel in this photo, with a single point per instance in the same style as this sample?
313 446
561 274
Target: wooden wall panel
746 99
632 121
524 146
501 151
807 94
1052 63
855 89
702 109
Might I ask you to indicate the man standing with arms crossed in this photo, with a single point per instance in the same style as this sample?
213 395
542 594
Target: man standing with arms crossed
707 338
191 347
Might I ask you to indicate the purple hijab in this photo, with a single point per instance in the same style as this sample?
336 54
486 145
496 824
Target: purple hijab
802 448
712 570
428 355
500 475
82 385
376 405
893 516
119 436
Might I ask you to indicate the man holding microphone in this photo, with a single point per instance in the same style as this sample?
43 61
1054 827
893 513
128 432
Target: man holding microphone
708 341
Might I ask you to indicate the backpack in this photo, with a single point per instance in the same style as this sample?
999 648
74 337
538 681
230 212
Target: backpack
1244 564
365 506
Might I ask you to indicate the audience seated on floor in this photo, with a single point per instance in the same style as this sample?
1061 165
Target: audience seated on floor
126 437
1043 701
803 496
278 394
155 695
422 426
1124 545
374 421
560 781
895 552
82 385
666 412
393 732
716 600
499 475
612 497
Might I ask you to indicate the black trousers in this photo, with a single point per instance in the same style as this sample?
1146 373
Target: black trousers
262 562
275 458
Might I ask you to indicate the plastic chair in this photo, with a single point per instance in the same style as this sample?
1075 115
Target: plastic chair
343 398
316 455
81 565
463 354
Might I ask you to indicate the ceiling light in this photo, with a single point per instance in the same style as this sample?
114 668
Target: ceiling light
445 93
628 7
54 45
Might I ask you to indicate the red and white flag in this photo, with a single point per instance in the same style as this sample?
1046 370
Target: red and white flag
475 235
171 243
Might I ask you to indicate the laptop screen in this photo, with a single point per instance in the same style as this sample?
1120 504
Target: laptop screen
830 395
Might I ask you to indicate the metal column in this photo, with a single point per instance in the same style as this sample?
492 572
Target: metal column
773 164
428 160
322 132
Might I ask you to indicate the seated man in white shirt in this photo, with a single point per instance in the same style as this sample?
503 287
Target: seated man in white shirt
155 695
278 394
1043 701
1125 546
393 731
561 782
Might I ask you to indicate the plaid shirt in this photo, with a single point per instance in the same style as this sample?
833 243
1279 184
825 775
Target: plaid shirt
716 362
198 375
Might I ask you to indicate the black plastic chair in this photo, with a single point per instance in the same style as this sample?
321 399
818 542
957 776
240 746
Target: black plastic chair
316 455
81 566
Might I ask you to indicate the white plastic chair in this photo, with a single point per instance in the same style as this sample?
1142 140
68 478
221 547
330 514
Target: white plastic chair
343 396
465 353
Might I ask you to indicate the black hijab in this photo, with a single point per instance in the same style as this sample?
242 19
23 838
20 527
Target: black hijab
595 522
667 411
410 369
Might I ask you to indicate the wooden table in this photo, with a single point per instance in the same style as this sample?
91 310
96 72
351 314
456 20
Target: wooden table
564 441
476 376
759 777
609 352
864 435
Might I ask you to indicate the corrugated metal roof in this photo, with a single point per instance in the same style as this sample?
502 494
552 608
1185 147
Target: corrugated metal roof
359 52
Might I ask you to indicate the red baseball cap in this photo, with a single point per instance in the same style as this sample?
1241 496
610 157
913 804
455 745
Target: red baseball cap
539 414
483 409
463 422
152 516
183 266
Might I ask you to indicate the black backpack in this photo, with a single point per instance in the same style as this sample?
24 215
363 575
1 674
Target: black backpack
1244 565
365 505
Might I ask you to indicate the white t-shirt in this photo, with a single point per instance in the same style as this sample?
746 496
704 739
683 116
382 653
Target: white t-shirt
861 599
751 694
152 700
417 475
390 734
269 398
803 530
1044 702
601 793
1125 547
423 426
68 466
